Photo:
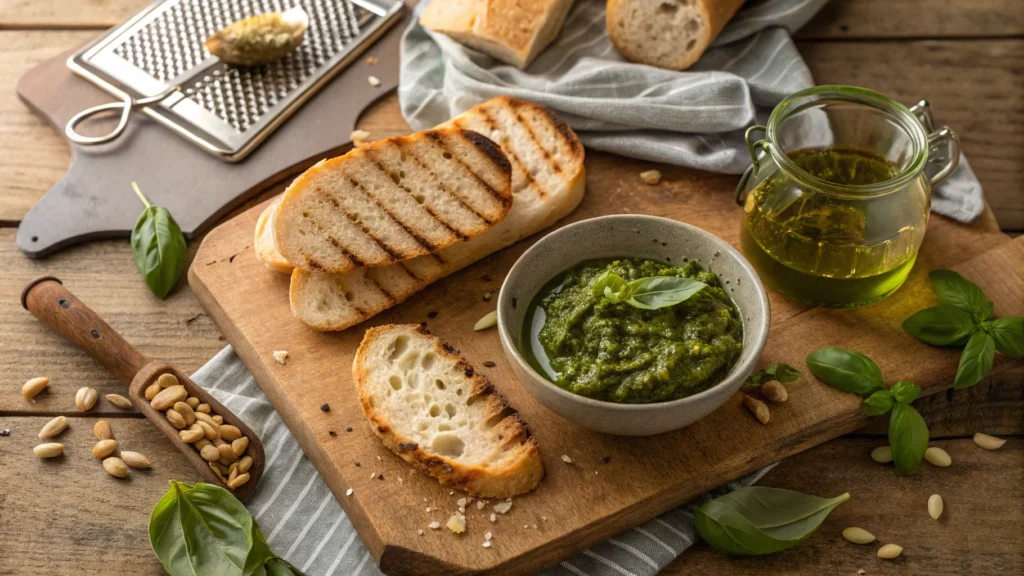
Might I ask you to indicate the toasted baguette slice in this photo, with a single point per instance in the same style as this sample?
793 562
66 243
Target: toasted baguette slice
548 180
428 406
266 247
513 31
670 34
393 200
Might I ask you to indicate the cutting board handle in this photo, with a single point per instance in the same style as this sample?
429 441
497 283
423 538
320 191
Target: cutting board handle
49 301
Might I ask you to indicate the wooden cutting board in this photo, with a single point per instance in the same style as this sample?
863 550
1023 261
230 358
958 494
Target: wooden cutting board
613 483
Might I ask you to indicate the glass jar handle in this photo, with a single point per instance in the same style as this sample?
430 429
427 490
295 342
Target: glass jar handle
943 144
752 169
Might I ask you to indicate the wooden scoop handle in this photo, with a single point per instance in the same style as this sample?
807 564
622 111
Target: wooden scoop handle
56 307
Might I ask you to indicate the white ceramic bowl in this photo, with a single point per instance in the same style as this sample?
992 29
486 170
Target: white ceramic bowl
638 237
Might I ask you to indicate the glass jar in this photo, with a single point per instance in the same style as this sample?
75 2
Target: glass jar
836 201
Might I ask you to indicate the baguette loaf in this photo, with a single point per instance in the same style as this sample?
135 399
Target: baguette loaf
393 200
266 247
548 180
513 31
670 34
429 406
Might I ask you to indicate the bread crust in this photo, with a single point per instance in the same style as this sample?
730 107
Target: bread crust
510 477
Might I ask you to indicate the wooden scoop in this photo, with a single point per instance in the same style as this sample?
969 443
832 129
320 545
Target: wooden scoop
57 308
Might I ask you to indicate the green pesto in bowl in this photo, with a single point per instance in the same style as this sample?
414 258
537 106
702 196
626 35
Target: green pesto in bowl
616 352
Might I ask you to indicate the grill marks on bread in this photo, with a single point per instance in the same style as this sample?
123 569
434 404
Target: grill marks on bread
394 200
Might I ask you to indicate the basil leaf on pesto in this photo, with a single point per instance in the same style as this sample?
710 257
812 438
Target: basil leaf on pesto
608 286
846 370
661 291
976 361
908 437
941 326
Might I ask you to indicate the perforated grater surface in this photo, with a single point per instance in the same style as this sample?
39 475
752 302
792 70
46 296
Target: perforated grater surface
227 110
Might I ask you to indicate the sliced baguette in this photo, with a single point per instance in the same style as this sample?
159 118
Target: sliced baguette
548 180
671 34
431 408
393 200
266 247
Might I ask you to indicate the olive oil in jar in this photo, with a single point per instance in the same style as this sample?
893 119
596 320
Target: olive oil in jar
828 248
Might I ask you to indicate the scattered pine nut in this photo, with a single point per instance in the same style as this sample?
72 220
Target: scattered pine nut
54 427
135 460
988 442
34 386
50 450
102 430
104 448
115 467
758 408
489 319
650 177
373 80
889 551
85 398
935 506
359 137
882 454
937 457
566 459
119 401
858 535
774 392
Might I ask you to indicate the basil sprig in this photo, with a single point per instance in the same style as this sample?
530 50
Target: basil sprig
781 372
203 529
159 247
649 293
965 318
854 372
759 520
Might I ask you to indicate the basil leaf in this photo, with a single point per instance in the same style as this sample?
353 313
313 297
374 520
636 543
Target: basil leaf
905 391
760 520
1009 336
259 554
608 286
941 326
279 567
780 372
976 361
908 437
846 370
661 291
878 403
199 530
954 290
159 248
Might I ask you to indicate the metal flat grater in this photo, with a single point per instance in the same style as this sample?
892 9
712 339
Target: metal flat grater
156 61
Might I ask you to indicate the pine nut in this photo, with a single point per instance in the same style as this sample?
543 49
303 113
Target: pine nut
167 380
489 319
54 427
650 177
937 457
889 551
222 467
230 433
102 430
204 417
135 460
238 481
232 474
245 463
203 408
186 412
935 506
858 535
239 446
176 420
168 397
208 431
192 401
202 443
226 453
115 467
757 408
151 391
50 450
193 434
119 401
774 392
85 398
882 454
34 386
104 448
210 453
218 419
988 442
217 472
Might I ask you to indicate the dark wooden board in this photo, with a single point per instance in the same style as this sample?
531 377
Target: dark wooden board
95 200
587 501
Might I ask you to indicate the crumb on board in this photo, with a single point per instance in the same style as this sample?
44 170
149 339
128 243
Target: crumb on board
486 544
420 531
348 492
457 523
434 525
371 60
503 507
358 137
487 536
280 356
650 177
493 517
373 80
480 504
566 459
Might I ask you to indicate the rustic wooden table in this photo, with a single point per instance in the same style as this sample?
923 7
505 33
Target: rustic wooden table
68 517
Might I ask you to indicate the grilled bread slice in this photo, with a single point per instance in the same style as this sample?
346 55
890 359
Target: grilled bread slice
428 406
393 200
548 180
266 247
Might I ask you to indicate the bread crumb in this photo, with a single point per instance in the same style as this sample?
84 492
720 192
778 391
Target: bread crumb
359 137
544 518
487 536
534 526
462 509
420 531
861 572
461 502
486 544
493 518
348 492
281 356
566 459
480 504
373 475
650 177
428 509
457 523
502 507
434 525
373 80
371 60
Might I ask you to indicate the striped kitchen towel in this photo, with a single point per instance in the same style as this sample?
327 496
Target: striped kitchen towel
694 118
304 524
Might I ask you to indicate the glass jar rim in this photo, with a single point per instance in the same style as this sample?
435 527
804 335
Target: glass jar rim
838 93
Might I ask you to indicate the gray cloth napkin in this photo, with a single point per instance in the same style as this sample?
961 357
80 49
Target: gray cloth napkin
304 524
694 118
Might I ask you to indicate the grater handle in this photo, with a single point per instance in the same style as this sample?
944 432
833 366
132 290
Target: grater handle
126 105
